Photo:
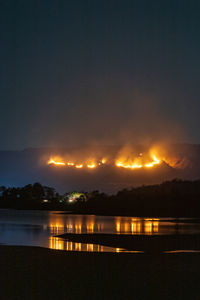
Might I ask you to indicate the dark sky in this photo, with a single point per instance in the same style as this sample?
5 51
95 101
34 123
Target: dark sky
77 72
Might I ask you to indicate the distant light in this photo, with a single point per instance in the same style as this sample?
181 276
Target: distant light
75 196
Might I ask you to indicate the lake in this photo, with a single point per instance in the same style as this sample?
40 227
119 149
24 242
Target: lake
39 228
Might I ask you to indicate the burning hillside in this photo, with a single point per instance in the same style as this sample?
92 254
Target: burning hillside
124 159
113 168
106 168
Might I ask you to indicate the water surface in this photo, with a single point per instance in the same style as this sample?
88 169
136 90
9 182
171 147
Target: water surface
39 228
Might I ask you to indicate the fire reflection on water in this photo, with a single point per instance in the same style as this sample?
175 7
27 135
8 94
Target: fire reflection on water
137 226
75 225
60 244
120 225
81 224
43 228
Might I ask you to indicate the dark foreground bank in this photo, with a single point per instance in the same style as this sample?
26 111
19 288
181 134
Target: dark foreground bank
37 273
149 244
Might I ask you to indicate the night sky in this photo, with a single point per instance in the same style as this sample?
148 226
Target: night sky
108 72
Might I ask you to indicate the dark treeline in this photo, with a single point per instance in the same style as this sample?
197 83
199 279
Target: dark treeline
29 196
171 198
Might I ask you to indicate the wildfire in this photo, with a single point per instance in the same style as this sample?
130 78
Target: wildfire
57 163
91 166
70 163
79 166
128 166
124 161
137 163
155 161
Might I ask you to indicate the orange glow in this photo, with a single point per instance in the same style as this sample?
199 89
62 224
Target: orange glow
59 244
54 162
137 226
137 163
91 166
78 228
70 163
90 247
56 243
56 228
148 227
127 161
79 166
77 246
90 227
155 161
128 166
151 226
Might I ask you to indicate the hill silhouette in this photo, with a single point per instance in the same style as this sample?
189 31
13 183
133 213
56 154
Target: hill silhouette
18 168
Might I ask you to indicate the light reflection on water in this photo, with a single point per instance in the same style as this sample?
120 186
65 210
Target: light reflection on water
60 244
59 224
137 226
38 228
91 224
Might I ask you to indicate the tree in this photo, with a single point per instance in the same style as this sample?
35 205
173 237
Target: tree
38 192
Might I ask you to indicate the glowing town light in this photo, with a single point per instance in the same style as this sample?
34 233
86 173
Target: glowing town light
75 196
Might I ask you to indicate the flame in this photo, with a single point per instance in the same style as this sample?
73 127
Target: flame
126 161
91 165
79 166
128 166
137 163
70 164
57 163
155 161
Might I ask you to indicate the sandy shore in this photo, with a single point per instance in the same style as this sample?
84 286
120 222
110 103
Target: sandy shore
37 273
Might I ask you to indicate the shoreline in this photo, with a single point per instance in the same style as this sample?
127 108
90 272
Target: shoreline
147 243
